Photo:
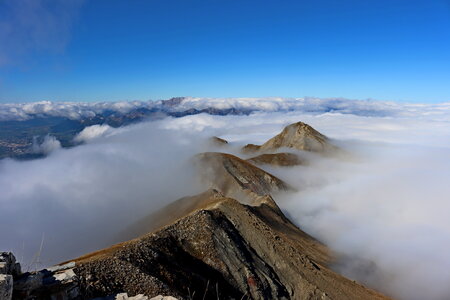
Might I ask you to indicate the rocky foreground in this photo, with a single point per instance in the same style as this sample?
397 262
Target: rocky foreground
230 242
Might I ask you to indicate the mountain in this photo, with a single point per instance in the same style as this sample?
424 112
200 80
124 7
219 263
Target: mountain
224 249
230 242
299 136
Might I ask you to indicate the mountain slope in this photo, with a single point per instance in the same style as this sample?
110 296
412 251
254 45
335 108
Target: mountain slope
237 178
277 159
227 249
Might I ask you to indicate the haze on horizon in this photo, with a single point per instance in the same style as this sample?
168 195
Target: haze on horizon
80 50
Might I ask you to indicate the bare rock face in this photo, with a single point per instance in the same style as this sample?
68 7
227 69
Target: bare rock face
277 159
299 136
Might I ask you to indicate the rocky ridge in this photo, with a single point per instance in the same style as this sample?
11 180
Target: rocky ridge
230 242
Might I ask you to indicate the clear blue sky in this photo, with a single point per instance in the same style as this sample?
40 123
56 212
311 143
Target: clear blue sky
154 49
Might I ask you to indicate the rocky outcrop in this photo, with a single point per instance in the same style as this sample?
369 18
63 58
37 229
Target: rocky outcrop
8 264
9 269
277 160
58 282
299 136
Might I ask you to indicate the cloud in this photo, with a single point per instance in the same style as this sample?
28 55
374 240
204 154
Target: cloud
48 145
92 132
308 105
385 215
28 26
80 198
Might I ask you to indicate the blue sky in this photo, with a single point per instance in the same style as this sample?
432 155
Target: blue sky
138 50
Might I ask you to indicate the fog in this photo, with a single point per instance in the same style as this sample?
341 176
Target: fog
384 214
383 210
77 199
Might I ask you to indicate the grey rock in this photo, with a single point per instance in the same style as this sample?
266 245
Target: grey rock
6 287
61 285
8 264
69 265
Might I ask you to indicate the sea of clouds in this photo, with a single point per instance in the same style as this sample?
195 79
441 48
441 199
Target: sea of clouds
309 105
384 211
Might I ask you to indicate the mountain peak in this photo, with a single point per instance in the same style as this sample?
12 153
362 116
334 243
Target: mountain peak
300 136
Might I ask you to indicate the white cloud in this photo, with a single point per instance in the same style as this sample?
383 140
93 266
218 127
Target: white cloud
48 145
313 106
92 132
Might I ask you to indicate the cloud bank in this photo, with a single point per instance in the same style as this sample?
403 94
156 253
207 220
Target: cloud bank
308 105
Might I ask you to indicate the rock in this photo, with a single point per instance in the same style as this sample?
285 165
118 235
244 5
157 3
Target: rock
8 264
124 296
159 297
56 268
6 287
59 282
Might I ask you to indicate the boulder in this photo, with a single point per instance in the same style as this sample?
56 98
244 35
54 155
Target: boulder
8 264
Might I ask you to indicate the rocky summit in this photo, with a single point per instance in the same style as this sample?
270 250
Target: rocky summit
230 242
299 136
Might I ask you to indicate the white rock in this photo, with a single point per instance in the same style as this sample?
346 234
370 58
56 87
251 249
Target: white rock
138 297
160 297
69 265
